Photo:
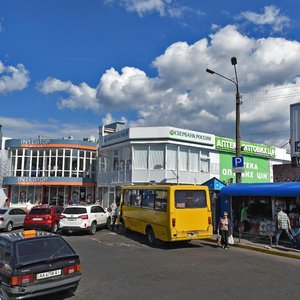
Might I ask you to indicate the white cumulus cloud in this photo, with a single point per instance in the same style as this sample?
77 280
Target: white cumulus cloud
164 8
13 78
184 95
271 16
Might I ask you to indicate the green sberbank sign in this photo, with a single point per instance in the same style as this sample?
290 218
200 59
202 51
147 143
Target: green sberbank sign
228 145
189 135
256 169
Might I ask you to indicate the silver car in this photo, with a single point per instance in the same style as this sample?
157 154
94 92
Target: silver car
11 217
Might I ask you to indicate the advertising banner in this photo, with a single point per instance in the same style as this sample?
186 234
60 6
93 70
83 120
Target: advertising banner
256 169
228 145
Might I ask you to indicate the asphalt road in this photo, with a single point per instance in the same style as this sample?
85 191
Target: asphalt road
119 266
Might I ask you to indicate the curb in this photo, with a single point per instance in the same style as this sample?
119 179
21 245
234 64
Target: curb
263 250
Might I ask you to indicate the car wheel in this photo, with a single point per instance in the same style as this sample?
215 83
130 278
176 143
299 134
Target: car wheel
93 228
55 228
150 236
9 226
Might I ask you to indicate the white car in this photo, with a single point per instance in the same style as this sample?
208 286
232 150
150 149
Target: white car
84 217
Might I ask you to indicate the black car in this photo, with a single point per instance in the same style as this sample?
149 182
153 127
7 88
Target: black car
36 263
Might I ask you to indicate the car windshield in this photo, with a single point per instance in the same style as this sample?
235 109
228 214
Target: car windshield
41 249
40 211
3 211
75 210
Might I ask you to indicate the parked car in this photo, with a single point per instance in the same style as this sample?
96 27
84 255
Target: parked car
37 263
11 217
43 217
83 217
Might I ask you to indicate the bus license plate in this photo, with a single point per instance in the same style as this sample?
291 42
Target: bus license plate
191 234
48 274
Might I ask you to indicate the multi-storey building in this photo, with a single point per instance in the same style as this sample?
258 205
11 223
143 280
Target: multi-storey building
176 156
50 171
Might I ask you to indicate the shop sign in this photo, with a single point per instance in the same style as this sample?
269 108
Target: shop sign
191 136
114 137
229 145
256 169
35 141
267 228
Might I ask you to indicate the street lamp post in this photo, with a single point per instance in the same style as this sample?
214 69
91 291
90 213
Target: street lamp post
238 175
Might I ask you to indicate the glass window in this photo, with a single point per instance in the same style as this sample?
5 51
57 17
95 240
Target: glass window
156 157
136 198
171 157
183 158
75 210
140 154
41 249
194 160
40 211
190 199
161 200
147 198
127 197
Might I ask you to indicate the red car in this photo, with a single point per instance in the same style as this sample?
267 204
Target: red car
43 217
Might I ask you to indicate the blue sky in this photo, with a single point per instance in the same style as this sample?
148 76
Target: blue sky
68 66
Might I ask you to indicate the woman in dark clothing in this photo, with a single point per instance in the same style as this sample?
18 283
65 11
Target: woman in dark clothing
224 229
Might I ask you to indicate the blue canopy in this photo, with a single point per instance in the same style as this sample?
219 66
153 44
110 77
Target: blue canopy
276 189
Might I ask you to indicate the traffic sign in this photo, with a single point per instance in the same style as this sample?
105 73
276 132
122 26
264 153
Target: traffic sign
238 164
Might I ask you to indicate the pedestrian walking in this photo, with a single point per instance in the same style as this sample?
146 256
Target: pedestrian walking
6 203
224 229
283 225
115 212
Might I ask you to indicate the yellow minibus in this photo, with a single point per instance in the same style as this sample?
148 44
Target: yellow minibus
167 212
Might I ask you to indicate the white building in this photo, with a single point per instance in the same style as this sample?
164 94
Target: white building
172 155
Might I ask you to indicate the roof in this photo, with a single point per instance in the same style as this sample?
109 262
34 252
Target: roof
214 184
279 189
17 236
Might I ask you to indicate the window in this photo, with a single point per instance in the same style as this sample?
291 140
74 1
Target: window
75 210
41 249
95 209
156 157
171 157
136 198
183 158
190 199
194 160
204 160
140 154
127 197
147 198
116 160
161 200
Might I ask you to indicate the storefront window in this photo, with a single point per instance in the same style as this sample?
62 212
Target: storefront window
248 212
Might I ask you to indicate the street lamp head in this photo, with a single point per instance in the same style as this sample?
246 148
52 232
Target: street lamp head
233 61
210 71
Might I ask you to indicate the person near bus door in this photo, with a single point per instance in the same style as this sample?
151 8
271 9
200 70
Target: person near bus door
115 214
224 228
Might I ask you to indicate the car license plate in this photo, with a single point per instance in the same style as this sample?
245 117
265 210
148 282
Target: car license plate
37 219
48 274
71 219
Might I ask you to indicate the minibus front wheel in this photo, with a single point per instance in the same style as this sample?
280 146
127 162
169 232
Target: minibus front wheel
150 236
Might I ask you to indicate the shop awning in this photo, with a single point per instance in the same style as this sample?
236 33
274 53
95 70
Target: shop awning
276 189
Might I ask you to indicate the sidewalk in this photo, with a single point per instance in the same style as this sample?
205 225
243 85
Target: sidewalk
283 249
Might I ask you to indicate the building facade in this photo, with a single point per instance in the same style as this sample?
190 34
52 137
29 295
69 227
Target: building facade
50 171
172 155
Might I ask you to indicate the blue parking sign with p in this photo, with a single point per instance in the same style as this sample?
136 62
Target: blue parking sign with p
238 162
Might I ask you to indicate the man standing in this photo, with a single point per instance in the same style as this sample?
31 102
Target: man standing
283 225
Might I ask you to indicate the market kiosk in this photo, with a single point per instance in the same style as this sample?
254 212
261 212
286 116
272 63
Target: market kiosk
259 202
